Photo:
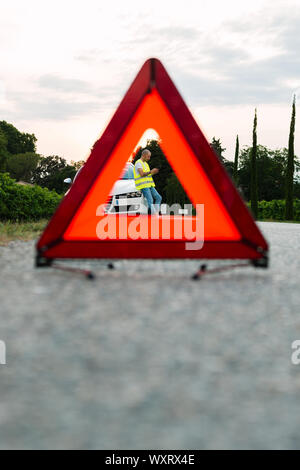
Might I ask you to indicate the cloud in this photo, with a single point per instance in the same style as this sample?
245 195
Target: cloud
243 83
169 33
59 86
211 68
93 56
177 32
203 91
53 82
52 107
51 110
226 55
57 98
253 61
228 73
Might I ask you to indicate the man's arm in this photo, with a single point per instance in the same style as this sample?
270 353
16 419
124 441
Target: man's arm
147 173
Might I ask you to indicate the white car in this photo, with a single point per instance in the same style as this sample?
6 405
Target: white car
124 198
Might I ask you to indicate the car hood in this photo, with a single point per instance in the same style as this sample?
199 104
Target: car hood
123 186
120 187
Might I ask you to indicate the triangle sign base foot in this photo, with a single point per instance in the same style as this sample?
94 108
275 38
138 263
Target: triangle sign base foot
260 262
41 262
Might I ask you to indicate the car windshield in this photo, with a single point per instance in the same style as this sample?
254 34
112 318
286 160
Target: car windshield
128 174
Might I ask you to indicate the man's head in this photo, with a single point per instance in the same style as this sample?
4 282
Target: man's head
146 155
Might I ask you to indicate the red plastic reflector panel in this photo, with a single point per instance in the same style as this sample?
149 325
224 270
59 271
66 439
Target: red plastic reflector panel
152 112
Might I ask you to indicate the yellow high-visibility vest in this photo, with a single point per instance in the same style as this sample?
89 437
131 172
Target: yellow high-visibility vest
142 182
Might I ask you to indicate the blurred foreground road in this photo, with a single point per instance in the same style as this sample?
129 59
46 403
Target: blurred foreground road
143 357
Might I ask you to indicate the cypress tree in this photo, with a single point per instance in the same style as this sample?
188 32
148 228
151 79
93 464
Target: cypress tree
236 160
290 167
253 184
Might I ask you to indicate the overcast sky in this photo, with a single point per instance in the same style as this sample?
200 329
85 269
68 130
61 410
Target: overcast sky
66 64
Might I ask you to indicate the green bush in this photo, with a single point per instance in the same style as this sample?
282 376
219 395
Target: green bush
25 202
275 210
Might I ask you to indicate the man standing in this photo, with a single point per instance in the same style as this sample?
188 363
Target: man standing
144 181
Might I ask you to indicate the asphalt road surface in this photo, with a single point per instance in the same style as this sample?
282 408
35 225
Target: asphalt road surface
144 357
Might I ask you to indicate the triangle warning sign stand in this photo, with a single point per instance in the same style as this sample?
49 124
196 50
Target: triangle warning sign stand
152 101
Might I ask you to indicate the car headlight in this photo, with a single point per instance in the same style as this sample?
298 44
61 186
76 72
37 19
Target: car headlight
129 195
136 194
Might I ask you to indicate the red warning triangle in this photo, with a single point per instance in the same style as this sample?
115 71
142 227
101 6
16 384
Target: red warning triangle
152 101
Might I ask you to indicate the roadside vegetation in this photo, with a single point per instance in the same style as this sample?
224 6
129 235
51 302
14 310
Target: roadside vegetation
24 231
